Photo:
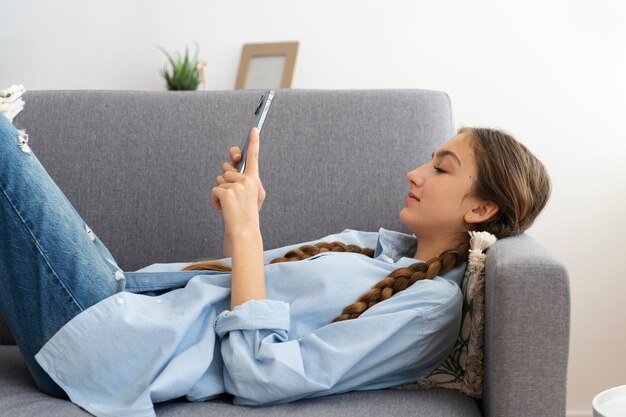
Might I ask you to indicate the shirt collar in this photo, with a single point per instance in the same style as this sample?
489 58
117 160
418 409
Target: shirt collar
395 245
401 247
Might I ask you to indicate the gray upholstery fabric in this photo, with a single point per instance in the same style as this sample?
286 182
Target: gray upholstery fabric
436 402
139 166
527 319
19 397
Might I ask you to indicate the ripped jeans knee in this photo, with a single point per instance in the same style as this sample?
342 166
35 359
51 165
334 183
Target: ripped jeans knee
23 141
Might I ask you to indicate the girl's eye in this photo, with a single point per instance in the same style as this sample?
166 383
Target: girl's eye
439 170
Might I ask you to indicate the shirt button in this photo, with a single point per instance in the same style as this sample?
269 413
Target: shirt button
158 300
120 300
390 260
119 275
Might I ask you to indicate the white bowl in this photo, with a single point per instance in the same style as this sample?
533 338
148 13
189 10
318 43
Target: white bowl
610 403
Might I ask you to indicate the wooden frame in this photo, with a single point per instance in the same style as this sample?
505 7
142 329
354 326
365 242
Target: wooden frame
288 50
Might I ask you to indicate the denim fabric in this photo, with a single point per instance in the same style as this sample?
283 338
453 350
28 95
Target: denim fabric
52 265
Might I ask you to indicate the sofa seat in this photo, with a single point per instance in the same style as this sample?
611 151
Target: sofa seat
20 397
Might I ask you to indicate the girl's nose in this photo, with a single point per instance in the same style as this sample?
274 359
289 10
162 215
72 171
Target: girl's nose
414 177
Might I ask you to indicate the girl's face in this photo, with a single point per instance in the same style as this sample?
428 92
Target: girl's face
442 187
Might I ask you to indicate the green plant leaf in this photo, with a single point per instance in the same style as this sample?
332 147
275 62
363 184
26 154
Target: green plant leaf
184 74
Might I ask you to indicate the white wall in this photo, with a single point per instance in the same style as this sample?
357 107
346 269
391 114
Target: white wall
550 72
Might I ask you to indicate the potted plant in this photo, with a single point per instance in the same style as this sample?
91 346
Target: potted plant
185 73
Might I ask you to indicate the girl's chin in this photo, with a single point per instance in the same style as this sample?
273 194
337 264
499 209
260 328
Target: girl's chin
407 219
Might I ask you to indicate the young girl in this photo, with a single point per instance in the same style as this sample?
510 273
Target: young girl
356 310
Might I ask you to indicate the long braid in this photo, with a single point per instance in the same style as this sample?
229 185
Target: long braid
402 278
306 251
396 281
298 254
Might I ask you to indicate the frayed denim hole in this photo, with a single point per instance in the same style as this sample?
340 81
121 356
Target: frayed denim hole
90 233
23 142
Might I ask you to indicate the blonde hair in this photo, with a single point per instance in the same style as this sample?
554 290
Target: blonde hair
508 174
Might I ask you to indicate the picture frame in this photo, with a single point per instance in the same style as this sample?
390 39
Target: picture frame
266 65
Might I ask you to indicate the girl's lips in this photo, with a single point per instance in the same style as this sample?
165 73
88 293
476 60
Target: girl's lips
411 197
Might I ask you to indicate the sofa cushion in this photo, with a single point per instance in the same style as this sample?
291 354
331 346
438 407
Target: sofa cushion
315 145
20 397
463 369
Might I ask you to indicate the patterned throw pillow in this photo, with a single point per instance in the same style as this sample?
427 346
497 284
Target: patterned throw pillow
462 370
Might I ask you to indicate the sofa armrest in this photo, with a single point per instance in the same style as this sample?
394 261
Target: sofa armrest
527 325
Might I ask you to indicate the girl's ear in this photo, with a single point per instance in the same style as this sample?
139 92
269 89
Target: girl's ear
483 211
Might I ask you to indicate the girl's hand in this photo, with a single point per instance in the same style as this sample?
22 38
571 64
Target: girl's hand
235 157
240 196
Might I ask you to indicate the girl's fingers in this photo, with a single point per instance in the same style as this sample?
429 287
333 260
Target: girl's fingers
227 167
228 177
231 176
215 199
235 153
219 192
253 153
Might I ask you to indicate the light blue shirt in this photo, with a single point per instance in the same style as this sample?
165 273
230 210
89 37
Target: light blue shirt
131 350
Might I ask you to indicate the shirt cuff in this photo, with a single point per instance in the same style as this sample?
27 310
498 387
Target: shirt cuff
254 315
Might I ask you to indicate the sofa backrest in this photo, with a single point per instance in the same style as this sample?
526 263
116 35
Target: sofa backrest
139 166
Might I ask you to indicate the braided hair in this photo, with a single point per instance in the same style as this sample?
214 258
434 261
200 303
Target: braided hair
396 281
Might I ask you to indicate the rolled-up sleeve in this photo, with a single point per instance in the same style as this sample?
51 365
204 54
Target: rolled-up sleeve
254 315
262 366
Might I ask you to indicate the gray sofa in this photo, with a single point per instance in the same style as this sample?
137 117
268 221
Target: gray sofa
138 167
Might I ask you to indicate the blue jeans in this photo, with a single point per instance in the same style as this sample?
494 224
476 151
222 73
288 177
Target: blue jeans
52 266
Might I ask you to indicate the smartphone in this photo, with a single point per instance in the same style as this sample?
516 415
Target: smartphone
260 113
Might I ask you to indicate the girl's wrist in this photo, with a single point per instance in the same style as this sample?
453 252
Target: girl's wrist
243 233
239 236
250 227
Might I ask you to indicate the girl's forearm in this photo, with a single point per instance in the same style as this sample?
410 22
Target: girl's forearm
248 281
228 246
